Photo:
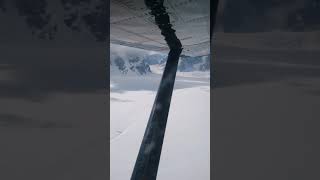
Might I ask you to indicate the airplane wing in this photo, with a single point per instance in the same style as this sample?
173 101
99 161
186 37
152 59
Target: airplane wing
132 25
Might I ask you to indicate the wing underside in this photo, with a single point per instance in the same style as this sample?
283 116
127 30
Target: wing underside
132 25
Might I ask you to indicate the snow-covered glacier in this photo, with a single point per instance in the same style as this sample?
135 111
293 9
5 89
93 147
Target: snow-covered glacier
134 79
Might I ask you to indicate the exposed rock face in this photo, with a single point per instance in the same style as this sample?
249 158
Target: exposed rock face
141 64
200 63
134 65
155 59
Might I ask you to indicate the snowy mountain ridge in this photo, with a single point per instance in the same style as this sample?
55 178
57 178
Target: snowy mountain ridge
129 66
155 63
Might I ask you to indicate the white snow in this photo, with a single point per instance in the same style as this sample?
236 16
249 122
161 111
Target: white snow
186 148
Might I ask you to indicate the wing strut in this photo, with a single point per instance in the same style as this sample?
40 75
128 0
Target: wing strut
146 166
